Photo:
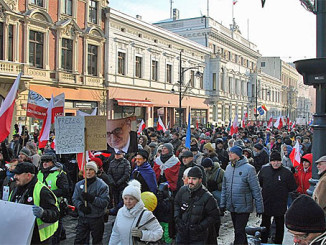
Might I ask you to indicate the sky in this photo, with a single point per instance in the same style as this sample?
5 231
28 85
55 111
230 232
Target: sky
282 28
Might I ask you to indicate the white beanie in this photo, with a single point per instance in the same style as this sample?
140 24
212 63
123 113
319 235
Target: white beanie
92 165
133 189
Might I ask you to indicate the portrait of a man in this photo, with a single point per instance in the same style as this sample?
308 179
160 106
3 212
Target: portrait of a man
120 135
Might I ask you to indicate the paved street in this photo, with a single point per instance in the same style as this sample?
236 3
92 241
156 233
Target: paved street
226 230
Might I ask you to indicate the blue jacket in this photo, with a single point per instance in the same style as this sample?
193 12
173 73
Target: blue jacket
101 192
240 188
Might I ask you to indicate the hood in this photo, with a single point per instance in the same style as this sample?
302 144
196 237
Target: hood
307 157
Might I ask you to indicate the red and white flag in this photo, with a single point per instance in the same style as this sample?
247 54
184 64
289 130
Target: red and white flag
270 122
243 121
141 127
293 125
160 125
7 110
279 123
295 155
45 131
81 159
234 126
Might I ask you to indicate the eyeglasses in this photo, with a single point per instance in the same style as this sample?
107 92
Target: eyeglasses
139 158
115 132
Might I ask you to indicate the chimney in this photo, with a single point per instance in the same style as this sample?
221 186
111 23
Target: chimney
176 14
139 17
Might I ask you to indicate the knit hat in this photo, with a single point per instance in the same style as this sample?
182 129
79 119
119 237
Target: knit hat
305 215
207 162
239 143
98 161
275 156
169 146
133 189
209 147
236 150
143 153
195 172
92 165
25 152
259 146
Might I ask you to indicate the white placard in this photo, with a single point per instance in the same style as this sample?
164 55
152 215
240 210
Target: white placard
69 135
17 223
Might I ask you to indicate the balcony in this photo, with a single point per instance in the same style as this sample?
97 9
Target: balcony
10 68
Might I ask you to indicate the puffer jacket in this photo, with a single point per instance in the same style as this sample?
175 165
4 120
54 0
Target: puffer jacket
119 172
240 188
127 219
194 212
101 192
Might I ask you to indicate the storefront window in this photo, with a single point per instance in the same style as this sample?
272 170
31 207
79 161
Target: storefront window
198 115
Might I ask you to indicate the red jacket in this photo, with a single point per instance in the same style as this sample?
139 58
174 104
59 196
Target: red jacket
302 177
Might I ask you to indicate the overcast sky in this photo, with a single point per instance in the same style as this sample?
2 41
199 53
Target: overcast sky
282 28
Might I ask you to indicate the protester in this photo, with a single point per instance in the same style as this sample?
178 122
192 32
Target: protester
222 154
304 174
260 156
319 194
131 216
9 182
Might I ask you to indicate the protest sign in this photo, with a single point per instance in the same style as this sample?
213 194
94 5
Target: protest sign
69 134
17 223
95 133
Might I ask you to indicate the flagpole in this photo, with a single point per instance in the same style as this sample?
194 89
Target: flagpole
25 120
84 158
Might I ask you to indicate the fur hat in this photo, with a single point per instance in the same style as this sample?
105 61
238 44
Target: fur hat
133 189
92 165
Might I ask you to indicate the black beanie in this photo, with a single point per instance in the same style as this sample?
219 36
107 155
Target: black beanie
143 153
195 172
207 162
275 156
305 215
259 146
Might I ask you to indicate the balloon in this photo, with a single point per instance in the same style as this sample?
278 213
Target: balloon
149 199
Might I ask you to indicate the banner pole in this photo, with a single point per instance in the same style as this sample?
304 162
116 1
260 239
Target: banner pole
85 159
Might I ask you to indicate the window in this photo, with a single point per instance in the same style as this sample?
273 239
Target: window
37 2
67 7
154 70
138 66
121 63
242 61
66 55
236 58
201 82
230 84
192 78
169 73
236 86
36 42
262 64
214 81
92 60
214 49
229 55
93 11
1 40
10 42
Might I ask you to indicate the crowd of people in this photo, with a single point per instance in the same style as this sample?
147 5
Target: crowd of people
250 171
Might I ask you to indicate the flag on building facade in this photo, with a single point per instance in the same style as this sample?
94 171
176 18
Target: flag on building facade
295 155
160 125
7 110
234 126
46 127
141 127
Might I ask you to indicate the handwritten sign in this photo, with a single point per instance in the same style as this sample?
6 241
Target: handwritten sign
95 133
69 134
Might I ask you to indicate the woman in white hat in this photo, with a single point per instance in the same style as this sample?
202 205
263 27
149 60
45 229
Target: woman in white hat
134 221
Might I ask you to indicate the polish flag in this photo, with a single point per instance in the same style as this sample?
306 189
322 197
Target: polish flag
293 125
234 126
45 131
7 110
160 125
270 122
295 155
279 123
141 127
81 159
243 121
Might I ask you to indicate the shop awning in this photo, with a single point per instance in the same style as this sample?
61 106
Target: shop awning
133 102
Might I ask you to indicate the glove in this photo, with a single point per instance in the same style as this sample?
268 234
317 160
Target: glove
38 211
88 197
258 215
222 211
85 210
135 232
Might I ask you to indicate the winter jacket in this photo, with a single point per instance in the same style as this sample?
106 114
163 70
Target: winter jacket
319 194
119 173
302 177
101 192
215 178
240 188
127 219
276 185
146 176
260 159
223 157
184 167
194 212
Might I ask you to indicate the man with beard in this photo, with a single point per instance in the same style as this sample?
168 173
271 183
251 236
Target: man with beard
319 194
195 211
166 167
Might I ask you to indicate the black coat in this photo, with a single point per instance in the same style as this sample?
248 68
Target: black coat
261 160
276 184
223 156
119 173
194 212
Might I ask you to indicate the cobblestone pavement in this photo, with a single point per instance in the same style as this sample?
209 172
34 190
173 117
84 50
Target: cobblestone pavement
226 231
